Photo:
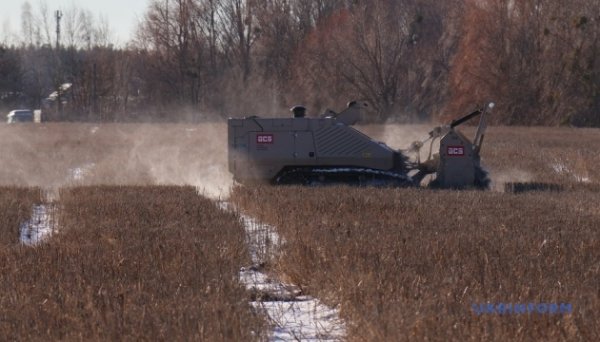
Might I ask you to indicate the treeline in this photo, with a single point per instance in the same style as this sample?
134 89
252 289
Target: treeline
410 59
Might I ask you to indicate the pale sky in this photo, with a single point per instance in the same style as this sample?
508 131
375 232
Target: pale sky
122 15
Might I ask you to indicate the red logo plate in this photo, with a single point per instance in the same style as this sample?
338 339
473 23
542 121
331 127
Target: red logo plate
264 138
456 151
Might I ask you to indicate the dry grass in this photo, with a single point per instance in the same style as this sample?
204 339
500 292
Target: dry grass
162 263
16 205
520 154
559 155
407 264
49 155
130 263
176 154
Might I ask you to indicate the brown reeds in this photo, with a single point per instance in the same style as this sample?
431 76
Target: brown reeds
161 262
16 205
130 263
408 264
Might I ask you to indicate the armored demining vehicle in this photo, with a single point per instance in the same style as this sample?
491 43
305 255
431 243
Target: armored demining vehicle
329 150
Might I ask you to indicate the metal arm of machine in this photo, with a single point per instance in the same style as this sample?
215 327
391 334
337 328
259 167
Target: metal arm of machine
478 141
440 131
465 118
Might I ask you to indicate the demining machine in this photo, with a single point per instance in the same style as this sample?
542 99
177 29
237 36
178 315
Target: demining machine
329 150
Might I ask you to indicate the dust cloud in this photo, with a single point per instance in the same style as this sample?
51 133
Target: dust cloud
401 136
397 136
55 155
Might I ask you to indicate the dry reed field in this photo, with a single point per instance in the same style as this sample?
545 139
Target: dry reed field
408 264
16 205
196 154
543 154
59 154
130 263
140 256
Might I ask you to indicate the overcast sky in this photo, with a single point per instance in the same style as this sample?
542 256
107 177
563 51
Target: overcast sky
122 15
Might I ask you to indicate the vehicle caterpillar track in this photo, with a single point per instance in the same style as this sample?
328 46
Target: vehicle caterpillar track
342 175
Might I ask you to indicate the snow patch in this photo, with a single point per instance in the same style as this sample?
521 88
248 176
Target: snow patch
294 317
303 320
262 239
40 226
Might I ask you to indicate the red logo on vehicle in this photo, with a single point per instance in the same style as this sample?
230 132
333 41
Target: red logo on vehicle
456 151
264 138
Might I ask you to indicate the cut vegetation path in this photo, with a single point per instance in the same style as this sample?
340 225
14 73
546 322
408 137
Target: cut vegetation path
294 316
40 226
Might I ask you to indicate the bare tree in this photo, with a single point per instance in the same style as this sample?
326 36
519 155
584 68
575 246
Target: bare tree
27 25
409 58
371 51
239 33
173 34
531 57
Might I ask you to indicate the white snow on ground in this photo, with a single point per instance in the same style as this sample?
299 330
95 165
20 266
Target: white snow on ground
40 226
305 319
43 222
562 169
294 317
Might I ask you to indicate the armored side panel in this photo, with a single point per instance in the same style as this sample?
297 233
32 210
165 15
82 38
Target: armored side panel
457 161
259 149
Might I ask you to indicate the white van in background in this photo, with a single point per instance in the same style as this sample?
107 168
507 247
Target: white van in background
20 115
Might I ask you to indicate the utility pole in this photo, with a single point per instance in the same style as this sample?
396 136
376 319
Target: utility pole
58 15
94 93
